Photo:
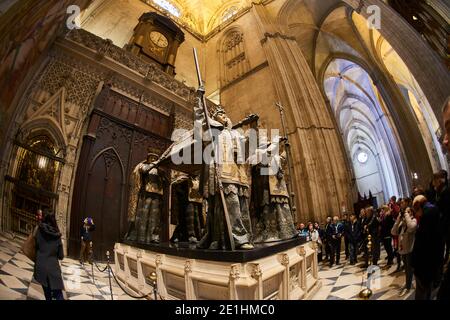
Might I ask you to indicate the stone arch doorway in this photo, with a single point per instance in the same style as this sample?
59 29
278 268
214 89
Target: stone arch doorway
32 182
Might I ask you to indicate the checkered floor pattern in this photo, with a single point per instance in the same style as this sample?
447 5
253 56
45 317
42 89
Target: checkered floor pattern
16 273
344 282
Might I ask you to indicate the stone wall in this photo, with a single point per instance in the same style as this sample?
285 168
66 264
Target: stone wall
60 99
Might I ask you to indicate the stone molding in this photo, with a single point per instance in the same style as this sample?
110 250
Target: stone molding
275 35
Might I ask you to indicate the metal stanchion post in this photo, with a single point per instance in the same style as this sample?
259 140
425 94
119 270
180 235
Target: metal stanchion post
109 274
154 282
366 293
91 252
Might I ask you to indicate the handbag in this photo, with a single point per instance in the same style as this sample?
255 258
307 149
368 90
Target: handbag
29 246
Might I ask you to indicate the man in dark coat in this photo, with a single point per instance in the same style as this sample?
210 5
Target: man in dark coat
346 224
387 222
428 251
49 250
442 201
444 291
372 228
353 233
335 231
326 240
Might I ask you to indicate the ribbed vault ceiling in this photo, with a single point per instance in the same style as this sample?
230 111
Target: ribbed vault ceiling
202 15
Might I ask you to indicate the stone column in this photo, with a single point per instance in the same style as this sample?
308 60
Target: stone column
321 178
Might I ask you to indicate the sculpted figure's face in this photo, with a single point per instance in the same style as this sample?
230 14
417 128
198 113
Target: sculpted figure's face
223 119
151 158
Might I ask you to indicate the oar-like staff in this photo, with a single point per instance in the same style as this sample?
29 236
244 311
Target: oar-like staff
202 101
288 160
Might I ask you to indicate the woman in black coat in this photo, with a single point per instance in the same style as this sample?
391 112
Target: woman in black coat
49 250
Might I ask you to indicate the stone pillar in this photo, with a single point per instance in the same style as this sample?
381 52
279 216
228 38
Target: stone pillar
322 181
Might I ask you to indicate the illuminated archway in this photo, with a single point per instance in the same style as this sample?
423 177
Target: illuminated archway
368 136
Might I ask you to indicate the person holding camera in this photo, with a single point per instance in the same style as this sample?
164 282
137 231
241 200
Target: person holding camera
405 227
86 240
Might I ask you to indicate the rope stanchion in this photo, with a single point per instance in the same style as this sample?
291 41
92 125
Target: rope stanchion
109 275
98 268
111 272
91 257
124 290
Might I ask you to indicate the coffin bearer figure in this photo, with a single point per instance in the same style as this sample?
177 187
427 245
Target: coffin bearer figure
270 195
187 209
145 208
235 179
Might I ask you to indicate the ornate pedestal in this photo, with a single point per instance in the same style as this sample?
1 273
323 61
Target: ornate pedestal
291 273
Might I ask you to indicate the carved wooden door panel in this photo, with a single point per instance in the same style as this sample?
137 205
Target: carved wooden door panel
114 144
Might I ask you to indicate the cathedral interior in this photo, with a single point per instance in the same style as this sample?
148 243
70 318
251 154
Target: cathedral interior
89 87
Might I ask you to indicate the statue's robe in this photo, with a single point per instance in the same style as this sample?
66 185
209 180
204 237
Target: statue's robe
235 178
187 212
145 210
273 220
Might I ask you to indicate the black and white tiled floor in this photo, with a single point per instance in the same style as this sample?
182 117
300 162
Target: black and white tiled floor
342 282
16 273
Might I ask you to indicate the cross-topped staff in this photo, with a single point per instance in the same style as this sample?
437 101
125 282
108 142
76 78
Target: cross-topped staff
288 159
202 100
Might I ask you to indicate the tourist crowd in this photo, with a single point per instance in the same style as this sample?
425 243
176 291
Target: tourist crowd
414 232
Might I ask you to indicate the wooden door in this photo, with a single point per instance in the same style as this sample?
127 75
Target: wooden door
119 133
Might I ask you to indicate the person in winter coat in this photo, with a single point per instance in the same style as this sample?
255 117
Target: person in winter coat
428 251
372 228
313 234
405 228
353 233
320 242
346 223
335 232
86 240
326 241
387 222
49 250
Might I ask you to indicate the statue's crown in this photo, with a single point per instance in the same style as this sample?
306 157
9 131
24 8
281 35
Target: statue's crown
218 110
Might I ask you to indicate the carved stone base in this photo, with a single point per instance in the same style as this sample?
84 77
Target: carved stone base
287 275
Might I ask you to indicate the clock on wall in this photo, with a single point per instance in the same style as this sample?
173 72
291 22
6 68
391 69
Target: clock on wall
156 39
159 39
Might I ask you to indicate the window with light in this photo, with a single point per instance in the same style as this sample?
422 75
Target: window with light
229 13
168 6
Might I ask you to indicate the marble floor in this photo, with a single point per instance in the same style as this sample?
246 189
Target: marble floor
344 282
16 283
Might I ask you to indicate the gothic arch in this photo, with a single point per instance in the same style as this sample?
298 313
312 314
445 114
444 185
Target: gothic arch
232 54
50 126
104 152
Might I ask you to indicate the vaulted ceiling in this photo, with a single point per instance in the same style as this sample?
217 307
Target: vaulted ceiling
202 15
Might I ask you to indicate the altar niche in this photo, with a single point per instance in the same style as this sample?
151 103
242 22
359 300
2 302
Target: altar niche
119 134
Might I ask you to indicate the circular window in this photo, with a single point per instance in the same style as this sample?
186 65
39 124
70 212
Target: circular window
362 157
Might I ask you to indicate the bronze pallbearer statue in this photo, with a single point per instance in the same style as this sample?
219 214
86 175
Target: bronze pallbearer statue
146 202
186 209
